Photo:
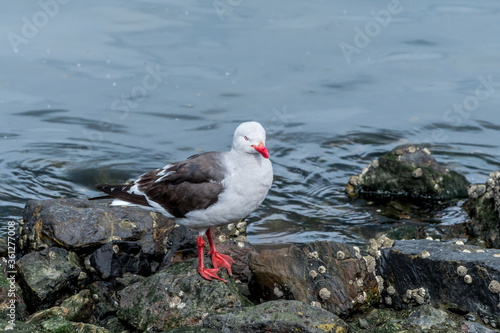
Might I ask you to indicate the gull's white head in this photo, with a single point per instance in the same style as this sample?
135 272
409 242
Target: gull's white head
250 138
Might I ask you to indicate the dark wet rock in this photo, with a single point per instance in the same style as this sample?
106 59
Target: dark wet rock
176 297
47 275
277 316
408 171
331 275
483 207
81 225
105 300
12 304
452 275
115 258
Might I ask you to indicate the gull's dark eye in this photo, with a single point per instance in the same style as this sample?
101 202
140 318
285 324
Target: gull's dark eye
246 138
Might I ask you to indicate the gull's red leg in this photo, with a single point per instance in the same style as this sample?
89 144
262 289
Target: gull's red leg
218 259
206 273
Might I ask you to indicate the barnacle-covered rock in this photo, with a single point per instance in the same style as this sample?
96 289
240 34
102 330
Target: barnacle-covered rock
483 207
448 277
408 171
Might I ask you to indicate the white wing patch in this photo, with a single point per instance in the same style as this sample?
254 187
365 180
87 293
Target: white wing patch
163 173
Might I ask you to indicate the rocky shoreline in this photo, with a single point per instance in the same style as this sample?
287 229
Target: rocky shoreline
83 266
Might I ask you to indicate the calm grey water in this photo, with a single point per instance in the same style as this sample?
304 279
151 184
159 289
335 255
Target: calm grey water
103 91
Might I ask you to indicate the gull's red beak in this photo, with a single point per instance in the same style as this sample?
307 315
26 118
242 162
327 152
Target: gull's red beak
262 150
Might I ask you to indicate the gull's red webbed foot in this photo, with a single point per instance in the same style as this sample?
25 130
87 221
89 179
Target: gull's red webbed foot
219 259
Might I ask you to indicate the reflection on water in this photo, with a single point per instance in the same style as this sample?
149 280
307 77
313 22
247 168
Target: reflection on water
78 109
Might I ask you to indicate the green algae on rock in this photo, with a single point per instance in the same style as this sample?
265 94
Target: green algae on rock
408 171
277 316
176 297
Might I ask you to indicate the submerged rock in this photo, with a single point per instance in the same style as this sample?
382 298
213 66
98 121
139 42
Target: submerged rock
483 207
459 277
49 274
176 297
408 171
277 316
326 274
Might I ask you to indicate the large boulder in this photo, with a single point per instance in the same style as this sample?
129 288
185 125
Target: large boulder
175 297
81 225
277 317
49 274
483 208
408 171
460 277
329 274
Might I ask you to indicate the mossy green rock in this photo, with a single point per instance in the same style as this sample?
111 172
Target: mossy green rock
17 326
7 295
57 325
192 330
176 297
408 171
80 306
46 275
278 316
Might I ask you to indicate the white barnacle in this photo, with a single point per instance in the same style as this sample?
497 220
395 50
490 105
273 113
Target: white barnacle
461 270
494 286
459 242
425 254
316 304
391 290
340 255
313 274
277 292
324 294
468 279
421 291
312 255
420 300
388 300
321 269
